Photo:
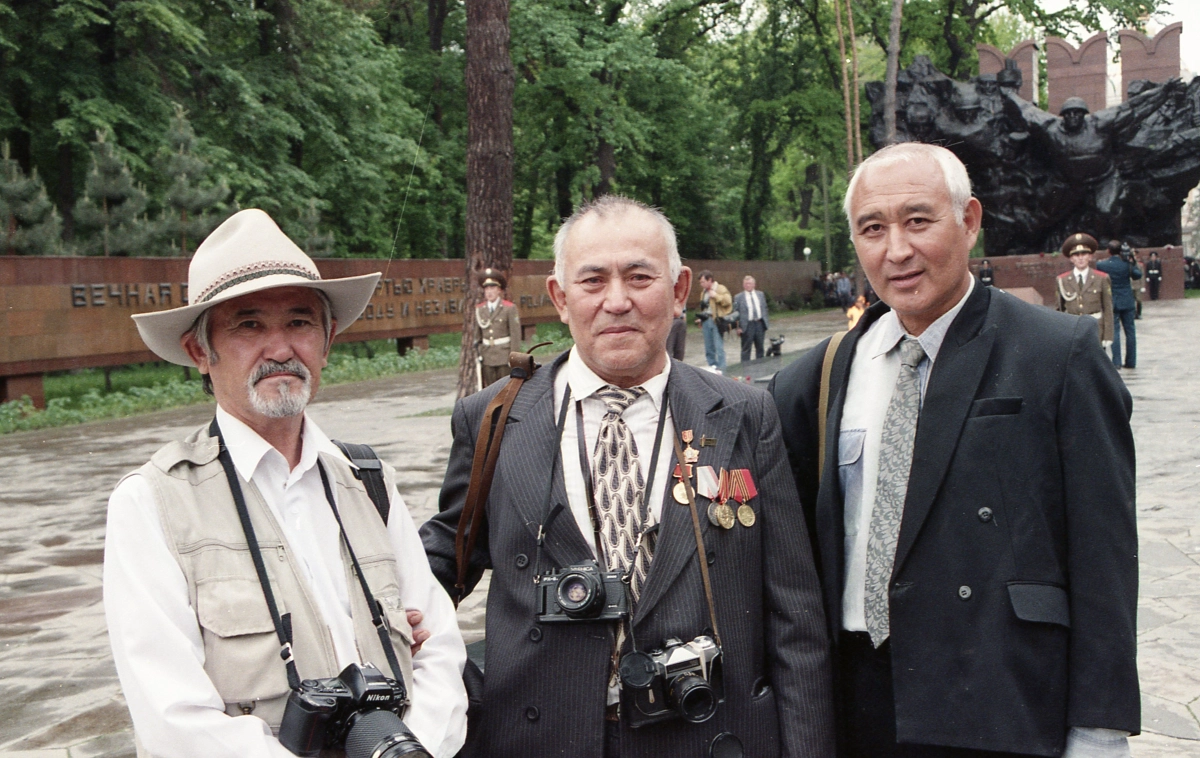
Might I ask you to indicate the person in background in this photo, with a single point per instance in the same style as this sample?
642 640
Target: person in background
751 307
715 304
855 312
1084 291
497 328
987 275
1154 274
1123 271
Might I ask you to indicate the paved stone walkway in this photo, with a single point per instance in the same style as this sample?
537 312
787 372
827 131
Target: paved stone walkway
58 691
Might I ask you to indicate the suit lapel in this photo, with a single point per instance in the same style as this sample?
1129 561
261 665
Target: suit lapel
952 386
696 406
532 437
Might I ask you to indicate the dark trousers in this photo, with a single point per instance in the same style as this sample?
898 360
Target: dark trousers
677 338
868 712
1123 320
753 335
1154 285
492 374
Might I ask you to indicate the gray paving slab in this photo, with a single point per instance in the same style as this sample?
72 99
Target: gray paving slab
58 691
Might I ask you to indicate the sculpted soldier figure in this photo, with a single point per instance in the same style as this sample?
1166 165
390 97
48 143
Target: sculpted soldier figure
1084 291
497 328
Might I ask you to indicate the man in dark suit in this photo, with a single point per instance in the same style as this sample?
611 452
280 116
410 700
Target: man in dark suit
1122 270
554 689
973 503
751 307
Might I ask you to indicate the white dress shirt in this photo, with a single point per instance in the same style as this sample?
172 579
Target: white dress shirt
642 419
872 382
156 639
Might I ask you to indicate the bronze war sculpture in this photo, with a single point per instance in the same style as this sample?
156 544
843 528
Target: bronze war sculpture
1123 172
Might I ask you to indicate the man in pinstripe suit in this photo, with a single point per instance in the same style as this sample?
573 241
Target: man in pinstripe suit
550 689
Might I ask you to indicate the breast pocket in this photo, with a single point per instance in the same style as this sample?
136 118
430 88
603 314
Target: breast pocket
850 464
241 649
996 406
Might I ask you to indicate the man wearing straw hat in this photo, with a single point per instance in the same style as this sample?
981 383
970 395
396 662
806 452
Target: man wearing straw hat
249 556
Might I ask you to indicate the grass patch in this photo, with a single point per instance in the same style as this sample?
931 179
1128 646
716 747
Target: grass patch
78 396
1191 293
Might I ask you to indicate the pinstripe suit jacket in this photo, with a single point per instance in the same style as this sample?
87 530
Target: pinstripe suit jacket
546 686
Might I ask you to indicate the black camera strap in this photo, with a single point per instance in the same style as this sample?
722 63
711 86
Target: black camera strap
585 466
283 624
385 640
551 513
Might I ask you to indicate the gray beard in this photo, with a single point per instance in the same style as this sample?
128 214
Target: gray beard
293 395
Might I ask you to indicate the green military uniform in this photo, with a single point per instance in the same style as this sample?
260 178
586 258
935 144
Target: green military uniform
497 332
1092 298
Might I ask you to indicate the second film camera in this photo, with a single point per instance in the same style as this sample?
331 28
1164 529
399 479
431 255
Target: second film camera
679 680
359 710
582 593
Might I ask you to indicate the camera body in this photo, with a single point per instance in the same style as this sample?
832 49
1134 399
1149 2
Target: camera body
360 707
776 347
582 593
679 680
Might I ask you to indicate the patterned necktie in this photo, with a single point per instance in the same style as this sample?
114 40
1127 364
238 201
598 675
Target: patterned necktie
619 488
895 461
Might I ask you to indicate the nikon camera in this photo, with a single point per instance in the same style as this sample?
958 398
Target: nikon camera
582 593
678 680
359 710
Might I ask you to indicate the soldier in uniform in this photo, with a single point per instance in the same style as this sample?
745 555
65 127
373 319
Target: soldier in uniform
497 328
1084 291
1154 275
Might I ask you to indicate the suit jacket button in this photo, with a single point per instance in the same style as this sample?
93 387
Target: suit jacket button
535 634
985 514
522 560
964 592
532 713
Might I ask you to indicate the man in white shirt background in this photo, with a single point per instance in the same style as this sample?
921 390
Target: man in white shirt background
972 498
206 664
751 307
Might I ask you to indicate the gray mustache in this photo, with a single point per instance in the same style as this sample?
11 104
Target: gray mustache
293 367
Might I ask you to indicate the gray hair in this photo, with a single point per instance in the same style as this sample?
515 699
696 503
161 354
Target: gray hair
954 173
202 333
602 207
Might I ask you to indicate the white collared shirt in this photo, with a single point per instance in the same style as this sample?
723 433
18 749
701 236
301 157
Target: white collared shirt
156 639
642 419
1081 275
872 381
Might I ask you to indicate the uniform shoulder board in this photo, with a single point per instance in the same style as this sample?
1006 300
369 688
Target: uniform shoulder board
1064 275
506 302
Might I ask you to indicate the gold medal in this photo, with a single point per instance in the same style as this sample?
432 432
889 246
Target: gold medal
745 514
679 492
725 516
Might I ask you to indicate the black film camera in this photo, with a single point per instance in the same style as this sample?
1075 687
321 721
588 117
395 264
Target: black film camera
359 709
582 593
680 679
776 347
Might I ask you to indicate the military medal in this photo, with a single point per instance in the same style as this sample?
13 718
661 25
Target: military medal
741 488
679 491
706 482
690 454
722 514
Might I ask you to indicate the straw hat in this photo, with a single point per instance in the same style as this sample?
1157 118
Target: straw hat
248 253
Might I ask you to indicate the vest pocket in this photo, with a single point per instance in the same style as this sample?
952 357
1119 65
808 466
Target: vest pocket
241 650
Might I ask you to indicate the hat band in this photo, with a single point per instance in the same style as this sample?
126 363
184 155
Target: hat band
1081 249
250 273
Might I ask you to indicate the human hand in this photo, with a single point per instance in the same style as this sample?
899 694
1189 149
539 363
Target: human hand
419 636
1105 344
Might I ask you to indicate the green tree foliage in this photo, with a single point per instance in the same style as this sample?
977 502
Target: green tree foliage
110 213
192 204
31 223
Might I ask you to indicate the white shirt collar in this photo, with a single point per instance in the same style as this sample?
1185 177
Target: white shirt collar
247 448
1082 276
584 382
892 331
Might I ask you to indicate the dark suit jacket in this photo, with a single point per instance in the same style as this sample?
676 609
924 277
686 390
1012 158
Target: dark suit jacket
546 685
1022 489
741 304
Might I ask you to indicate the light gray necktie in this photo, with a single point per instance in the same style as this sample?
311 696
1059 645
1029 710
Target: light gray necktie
895 461
620 488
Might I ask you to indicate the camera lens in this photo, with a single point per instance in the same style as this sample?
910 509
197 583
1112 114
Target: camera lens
580 595
381 734
694 698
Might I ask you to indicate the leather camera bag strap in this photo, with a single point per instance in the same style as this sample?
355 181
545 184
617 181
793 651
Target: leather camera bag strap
483 466
701 553
823 398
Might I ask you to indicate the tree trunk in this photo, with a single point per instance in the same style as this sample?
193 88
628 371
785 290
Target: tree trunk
489 222
606 161
825 205
858 154
893 72
837 12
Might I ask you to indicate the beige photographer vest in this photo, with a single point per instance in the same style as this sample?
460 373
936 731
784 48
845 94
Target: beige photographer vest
241 649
